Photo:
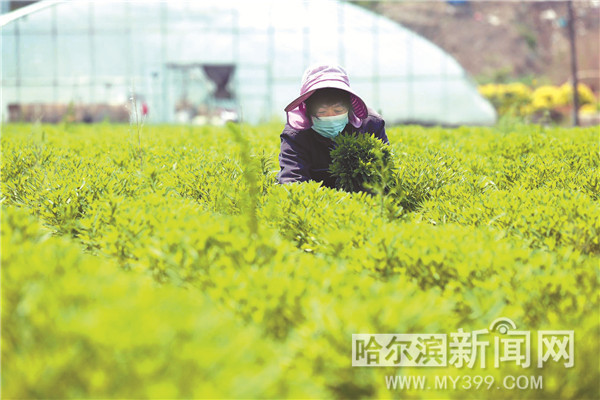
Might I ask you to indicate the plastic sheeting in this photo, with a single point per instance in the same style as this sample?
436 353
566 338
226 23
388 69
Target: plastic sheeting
90 52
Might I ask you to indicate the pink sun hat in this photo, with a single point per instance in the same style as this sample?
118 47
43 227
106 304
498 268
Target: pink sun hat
320 77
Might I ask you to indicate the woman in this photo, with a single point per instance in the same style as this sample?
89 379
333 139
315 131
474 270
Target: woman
326 106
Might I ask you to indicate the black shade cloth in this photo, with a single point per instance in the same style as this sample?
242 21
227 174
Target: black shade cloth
220 75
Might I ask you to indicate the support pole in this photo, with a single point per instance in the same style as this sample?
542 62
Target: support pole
574 81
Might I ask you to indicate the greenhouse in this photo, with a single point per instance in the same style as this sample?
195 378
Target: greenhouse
215 60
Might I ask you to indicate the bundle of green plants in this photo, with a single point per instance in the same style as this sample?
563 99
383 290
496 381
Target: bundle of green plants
361 162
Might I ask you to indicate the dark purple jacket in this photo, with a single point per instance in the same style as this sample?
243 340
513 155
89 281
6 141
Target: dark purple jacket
305 155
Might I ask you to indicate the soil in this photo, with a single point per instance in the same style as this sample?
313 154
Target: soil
504 41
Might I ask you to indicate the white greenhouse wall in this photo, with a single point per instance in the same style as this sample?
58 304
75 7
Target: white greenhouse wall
98 52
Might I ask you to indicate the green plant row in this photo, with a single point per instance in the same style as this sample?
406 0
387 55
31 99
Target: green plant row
77 326
200 237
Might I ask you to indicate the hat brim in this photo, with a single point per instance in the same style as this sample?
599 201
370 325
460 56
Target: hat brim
358 106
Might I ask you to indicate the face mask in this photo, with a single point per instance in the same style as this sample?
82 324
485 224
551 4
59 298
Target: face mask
330 127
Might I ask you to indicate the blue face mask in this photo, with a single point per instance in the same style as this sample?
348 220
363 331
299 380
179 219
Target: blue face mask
330 127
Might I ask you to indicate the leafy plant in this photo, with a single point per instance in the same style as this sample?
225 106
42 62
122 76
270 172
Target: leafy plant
361 162
192 274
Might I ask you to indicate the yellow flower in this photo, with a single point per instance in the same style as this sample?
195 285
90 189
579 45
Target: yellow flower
586 96
547 97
